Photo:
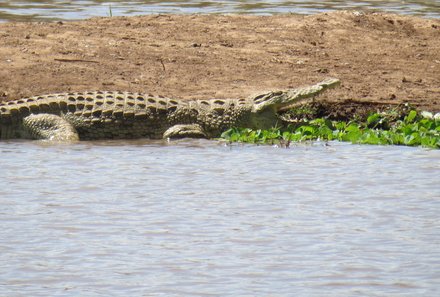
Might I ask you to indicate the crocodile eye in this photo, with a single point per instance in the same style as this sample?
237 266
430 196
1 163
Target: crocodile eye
258 98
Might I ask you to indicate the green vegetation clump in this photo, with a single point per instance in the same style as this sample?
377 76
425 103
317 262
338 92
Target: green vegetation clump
412 130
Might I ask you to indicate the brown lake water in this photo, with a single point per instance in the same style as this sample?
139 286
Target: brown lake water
199 218
65 9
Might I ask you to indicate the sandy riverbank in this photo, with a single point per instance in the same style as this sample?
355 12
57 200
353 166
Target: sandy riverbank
380 58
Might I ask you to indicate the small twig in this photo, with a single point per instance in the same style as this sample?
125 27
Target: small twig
163 65
75 60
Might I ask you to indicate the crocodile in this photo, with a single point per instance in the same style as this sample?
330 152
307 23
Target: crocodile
125 115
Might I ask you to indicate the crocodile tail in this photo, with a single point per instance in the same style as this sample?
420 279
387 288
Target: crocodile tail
2 121
5 121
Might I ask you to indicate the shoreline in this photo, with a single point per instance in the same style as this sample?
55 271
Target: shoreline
381 58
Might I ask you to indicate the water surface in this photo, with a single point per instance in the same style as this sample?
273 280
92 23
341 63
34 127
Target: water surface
65 9
198 218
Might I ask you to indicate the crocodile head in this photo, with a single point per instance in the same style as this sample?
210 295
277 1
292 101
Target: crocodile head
266 107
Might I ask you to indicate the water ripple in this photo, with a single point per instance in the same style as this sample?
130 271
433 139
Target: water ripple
61 9
199 218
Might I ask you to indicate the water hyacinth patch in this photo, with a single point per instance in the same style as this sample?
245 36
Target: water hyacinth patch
413 130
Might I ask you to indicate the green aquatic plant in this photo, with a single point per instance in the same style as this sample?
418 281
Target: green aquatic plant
378 129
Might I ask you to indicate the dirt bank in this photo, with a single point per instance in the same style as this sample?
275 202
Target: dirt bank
380 58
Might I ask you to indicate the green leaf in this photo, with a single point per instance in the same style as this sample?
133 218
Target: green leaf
411 116
340 125
353 128
373 119
413 130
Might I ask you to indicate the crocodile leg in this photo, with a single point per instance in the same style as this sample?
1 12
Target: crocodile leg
50 127
182 131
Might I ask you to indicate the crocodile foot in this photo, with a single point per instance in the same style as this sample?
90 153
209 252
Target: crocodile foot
183 131
49 127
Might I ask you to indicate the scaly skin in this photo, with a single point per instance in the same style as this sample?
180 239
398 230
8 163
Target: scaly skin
124 115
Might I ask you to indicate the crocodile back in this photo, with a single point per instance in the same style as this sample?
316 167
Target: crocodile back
104 114
98 114
217 115
97 104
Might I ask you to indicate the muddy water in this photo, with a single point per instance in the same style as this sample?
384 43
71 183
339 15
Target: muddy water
196 218
61 9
